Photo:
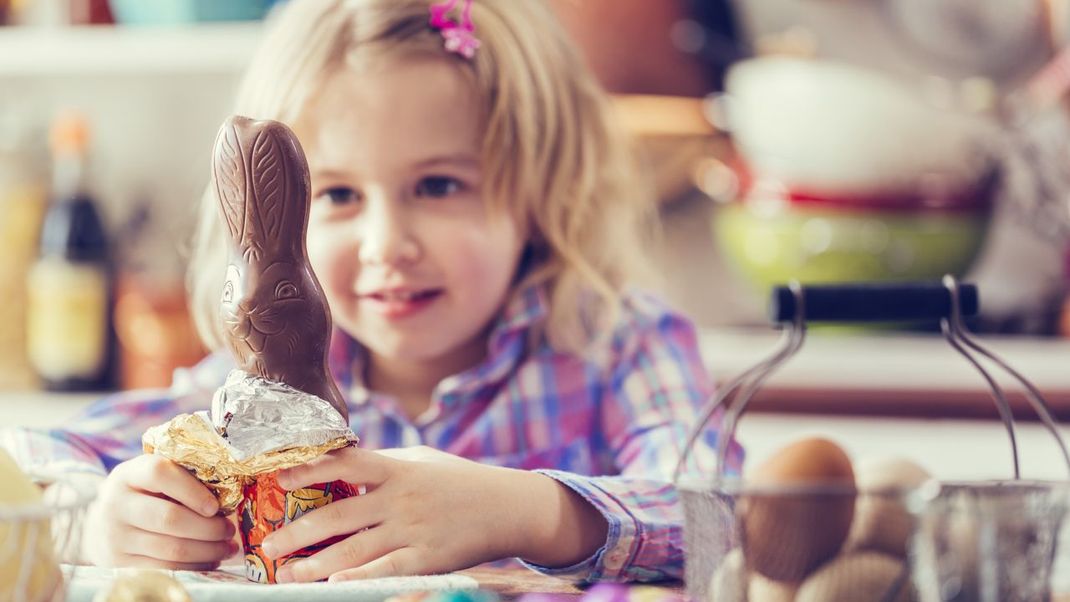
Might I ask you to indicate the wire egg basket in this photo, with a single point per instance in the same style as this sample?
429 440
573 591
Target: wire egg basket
35 537
978 541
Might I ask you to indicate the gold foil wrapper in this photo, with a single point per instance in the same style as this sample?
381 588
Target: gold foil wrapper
191 440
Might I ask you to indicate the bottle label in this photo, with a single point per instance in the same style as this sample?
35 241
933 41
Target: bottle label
67 319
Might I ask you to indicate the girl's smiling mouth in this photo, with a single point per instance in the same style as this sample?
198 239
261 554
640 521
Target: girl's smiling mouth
399 303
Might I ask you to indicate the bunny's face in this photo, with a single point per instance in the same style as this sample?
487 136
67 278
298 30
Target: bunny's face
271 310
276 317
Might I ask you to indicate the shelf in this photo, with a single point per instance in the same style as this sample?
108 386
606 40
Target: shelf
103 50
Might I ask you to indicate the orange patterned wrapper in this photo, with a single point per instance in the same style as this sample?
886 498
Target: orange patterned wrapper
266 507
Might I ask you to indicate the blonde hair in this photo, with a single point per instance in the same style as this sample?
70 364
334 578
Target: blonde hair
554 156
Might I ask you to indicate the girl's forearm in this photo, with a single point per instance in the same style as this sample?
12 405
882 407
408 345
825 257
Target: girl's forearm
558 528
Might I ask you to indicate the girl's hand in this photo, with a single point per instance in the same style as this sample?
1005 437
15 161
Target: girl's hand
153 513
429 512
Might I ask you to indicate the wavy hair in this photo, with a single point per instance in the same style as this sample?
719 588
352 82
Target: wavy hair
554 155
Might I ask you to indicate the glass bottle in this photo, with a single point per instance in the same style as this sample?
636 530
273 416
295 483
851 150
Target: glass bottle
71 341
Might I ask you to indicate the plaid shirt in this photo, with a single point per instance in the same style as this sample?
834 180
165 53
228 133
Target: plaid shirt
611 428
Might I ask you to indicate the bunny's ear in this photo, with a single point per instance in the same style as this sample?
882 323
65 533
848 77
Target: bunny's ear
269 185
281 189
262 182
228 170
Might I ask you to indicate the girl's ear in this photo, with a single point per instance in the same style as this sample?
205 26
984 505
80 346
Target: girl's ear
228 175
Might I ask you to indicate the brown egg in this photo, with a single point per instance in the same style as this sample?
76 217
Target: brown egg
787 534
858 577
882 521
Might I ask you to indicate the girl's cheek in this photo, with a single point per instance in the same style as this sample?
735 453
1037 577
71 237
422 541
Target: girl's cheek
328 257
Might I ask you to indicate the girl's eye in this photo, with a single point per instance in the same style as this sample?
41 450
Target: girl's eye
437 186
340 195
285 290
228 292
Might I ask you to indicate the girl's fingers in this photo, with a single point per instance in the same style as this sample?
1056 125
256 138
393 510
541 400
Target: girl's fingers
354 551
350 464
395 564
146 562
175 549
161 476
337 518
166 517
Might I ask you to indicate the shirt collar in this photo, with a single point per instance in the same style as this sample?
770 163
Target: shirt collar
527 308
345 359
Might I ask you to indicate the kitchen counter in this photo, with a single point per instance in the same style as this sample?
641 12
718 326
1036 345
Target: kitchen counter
876 393
951 448
891 394
891 374
834 373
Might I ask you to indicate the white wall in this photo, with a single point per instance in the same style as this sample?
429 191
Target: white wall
153 133
151 138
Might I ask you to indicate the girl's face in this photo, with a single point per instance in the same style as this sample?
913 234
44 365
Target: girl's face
413 264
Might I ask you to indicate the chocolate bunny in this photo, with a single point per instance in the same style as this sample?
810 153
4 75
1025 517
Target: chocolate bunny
277 320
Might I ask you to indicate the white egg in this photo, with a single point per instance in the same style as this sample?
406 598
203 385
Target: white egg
761 589
964 533
28 567
882 521
729 582
858 577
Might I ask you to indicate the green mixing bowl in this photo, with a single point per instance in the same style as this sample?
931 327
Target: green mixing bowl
773 243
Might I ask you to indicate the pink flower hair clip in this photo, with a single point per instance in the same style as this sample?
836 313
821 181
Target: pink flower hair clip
457 37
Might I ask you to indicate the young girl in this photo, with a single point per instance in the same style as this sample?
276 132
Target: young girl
475 225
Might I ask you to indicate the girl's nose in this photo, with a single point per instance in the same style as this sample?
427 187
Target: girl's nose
386 238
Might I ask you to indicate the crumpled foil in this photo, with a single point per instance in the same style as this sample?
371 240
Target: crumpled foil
257 416
256 426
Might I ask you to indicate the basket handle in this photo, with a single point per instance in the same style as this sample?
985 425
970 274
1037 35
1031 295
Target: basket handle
873 302
793 306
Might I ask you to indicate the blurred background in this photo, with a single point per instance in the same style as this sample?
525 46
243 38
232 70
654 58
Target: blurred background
824 140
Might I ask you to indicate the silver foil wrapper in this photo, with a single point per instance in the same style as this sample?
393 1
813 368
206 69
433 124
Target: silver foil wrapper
256 416
255 427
